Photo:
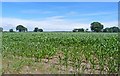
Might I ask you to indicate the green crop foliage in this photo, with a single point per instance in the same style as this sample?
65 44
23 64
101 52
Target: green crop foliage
100 50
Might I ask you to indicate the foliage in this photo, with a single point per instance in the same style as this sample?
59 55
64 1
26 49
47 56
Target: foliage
106 30
96 27
1 29
98 50
111 29
86 30
21 28
11 30
38 30
78 30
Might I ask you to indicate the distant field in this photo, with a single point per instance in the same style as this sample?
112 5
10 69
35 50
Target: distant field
60 52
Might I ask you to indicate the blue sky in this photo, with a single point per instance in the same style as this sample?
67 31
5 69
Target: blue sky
58 16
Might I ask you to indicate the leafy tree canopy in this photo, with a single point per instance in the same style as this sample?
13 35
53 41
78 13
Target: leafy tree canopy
21 28
96 27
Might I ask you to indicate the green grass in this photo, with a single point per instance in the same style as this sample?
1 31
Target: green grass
72 50
0 53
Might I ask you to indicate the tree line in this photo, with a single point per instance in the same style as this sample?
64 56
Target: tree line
95 27
98 27
21 28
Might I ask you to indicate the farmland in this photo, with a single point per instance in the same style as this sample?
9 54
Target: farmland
60 52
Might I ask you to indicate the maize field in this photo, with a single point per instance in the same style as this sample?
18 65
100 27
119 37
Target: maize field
66 52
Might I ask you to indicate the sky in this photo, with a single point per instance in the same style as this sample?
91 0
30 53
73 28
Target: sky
58 16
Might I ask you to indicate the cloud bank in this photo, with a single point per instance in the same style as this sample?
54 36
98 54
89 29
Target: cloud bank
50 24
56 23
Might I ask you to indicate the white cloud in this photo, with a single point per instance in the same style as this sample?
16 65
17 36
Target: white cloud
55 23
33 11
99 13
73 13
110 24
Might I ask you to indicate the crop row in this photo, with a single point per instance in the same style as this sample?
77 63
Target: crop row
100 50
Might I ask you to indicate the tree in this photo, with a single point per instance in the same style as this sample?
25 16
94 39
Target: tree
111 29
96 27
25 29
21 28
40 30
115 29
11 30
36 29
1 29
86 30
74 30
106 30
81 30
78 30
